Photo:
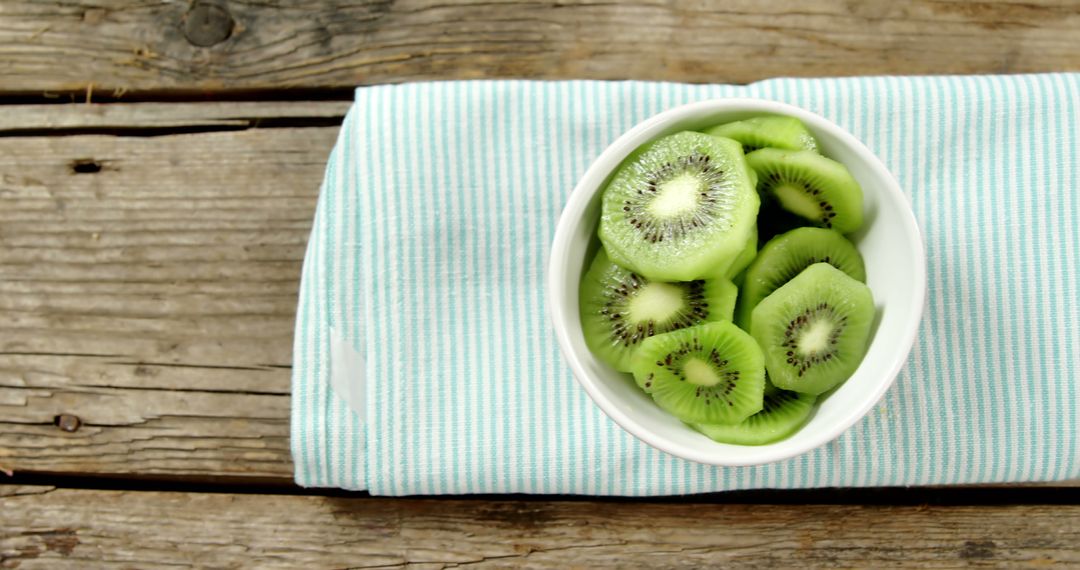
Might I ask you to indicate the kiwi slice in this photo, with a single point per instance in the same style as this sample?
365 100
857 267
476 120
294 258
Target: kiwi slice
747 255
775 131
722 296
813 330
782 413
810 186
680 208
710 373
785 256
619 309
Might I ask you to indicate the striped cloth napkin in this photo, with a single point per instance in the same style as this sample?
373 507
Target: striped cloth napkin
424 358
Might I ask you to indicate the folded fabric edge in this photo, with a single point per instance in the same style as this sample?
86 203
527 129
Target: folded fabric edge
327 406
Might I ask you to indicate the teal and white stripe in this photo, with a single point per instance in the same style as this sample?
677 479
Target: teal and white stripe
429 248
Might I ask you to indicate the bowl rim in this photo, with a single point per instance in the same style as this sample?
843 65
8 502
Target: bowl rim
592 181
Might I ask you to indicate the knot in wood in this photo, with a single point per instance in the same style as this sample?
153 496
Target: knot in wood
207 24
67 422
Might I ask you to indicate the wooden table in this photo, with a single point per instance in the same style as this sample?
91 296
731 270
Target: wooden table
159 163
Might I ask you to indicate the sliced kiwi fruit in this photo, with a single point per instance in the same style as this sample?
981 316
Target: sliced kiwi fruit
782 413
723 295
680 208
810 186
620 309
773 131
813 330
785 256
709 373
747 255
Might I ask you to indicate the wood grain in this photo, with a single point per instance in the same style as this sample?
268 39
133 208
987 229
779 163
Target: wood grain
215 45
148 287
53 528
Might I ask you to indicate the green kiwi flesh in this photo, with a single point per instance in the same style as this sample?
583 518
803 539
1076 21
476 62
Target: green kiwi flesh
811 186
710 373
722 296
745 257
813 330
680 208
619 309
783 412
773 131
785 256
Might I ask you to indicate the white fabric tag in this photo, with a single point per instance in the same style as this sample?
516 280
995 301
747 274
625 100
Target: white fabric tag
347 374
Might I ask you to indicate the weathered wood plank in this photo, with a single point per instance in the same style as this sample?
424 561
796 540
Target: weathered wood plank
220 44
69 528
148 287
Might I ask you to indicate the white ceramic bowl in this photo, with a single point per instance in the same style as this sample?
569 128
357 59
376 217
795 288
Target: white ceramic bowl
889 242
